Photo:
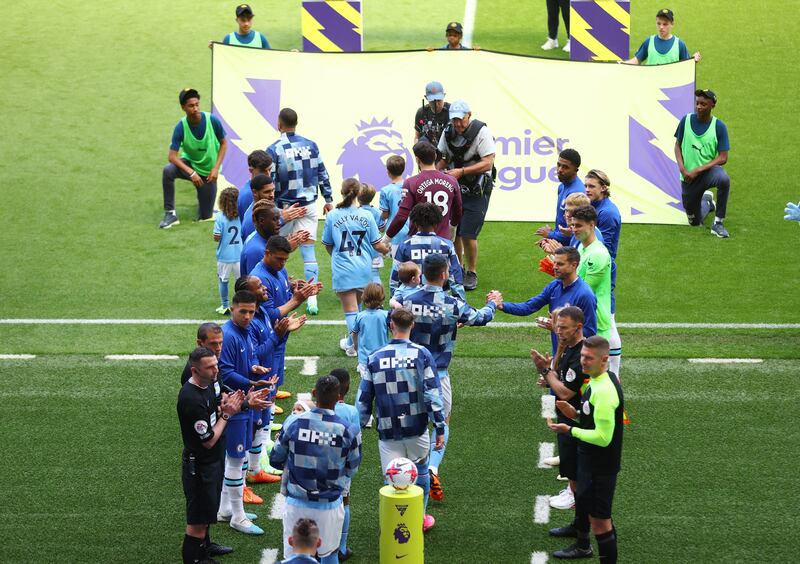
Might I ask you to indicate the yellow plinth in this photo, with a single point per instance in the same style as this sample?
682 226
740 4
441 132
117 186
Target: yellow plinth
401 515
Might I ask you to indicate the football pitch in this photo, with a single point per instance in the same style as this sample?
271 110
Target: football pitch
91 447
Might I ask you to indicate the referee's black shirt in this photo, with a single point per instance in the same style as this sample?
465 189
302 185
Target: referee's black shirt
572 376
197 413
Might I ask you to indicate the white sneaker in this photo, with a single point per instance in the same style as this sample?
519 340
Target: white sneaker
247 527
343 344
226 518
561 478
351 351
550 44
552 461
566 47
564 500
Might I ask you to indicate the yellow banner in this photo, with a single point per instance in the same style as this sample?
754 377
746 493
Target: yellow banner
359 108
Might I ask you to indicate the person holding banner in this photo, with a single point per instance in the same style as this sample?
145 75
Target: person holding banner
349 234
663 47
246 36
201 140
701 150
467 149
298 173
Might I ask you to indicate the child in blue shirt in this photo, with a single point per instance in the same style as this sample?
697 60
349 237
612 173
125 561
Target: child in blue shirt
228 235
350 414
410 281
371 330
365 197
389 201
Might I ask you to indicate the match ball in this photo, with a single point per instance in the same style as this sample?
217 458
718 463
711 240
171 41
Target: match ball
401 473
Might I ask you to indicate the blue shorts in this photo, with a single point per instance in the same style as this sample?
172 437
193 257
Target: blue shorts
278 365
239 435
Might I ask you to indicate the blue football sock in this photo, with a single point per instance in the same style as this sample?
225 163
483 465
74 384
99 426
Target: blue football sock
438 455
223 292
332 558
310 266
350 319
424 481
345 529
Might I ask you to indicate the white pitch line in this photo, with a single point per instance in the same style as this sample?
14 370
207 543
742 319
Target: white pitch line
141 357
278 503
339 322
17 356
309 364
541 510
538 557
269 556
470 7
546 450
726 360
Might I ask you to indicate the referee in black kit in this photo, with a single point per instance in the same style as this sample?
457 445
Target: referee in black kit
203 423
599 435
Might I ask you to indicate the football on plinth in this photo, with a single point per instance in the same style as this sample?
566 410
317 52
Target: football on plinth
401 473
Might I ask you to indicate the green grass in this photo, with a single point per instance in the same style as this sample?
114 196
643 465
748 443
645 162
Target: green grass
696 466
90 451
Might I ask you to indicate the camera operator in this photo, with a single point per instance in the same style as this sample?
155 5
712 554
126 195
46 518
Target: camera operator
433 117
467 149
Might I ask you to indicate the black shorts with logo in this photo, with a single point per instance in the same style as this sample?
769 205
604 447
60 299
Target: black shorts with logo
202 486
595 493
568 455
475 208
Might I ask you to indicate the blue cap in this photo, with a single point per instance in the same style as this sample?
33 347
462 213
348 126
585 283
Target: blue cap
459 109
434 91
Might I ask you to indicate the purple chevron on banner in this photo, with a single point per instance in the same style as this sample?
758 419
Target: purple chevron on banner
605 28
680 100
650 162
335 27
234 167
266 98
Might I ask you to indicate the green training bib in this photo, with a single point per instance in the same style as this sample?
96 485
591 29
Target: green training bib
698 150
255 42
201 153
656 58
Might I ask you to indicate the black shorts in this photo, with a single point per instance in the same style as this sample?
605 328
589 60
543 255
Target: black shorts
595 493
568 456
202 486
475 208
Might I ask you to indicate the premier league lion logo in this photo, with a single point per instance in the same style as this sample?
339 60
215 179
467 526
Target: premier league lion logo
401 533
364 156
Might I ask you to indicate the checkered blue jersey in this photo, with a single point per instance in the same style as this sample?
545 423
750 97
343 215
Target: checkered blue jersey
436 318
402 380
236 359
319 453
403 290
298 171
420 245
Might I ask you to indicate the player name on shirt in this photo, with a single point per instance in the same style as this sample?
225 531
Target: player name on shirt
353 217
438 181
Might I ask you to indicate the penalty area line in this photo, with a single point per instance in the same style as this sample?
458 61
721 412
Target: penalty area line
17 356
546 450
269 556
541 510
538 557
